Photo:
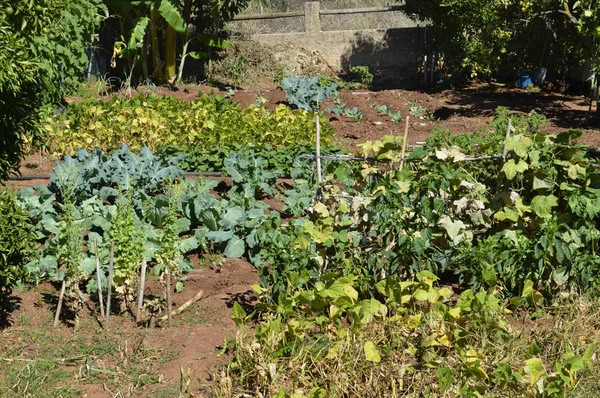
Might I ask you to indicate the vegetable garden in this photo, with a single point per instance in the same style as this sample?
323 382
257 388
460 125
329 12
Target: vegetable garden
404 271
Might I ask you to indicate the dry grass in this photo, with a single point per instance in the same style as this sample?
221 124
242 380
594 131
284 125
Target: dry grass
408 368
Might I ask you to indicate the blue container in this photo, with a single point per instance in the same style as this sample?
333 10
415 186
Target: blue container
524 81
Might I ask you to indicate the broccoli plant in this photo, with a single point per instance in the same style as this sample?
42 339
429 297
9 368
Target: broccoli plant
306 93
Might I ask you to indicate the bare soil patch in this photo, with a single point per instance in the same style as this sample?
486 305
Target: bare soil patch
141 362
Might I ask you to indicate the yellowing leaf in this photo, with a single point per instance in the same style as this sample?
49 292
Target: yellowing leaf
542 205
534 367
519 145
511 168
371 353
414 321
454 312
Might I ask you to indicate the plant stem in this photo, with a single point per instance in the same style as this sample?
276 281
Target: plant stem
60 302
182 63
138 314
110 278
168 277
99 279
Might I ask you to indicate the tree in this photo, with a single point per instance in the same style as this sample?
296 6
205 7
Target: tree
145 25
482 37
42 54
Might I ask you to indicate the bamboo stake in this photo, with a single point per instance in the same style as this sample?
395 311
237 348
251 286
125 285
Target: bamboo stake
168 277
183 307
110 278
99 279
404 144
60 302
138 314
318 144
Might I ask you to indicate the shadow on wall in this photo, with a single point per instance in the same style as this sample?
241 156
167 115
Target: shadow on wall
393 60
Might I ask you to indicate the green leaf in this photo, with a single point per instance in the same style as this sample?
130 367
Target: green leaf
542 205
340 288
212 41
232 217
318 392
535 368
238 315
542 183
198 54
587 357
137 34
371 353
444 377
519 144
170 13
511 169
454 229
235 248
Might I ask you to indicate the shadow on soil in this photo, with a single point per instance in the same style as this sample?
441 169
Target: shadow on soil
483 101
8 305
247 300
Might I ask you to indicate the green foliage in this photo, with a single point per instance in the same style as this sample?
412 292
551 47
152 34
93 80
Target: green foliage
169 254
43 56
145 26
160 121
281 159
387 110
481 38
418 110
342 110
366 77
488 222
100 174
17 241
306 93
126 232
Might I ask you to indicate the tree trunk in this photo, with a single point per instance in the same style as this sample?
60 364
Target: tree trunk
156 63
170 68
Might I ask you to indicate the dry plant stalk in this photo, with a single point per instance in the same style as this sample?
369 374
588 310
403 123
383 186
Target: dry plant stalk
110 278
138 314
99 279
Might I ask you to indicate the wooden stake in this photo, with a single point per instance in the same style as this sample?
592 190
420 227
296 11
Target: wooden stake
404 144
504 152
138 314
110 278
60 302
168 277
99 279
182 308
318 144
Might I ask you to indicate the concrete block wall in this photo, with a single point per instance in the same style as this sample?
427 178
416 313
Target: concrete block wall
377 48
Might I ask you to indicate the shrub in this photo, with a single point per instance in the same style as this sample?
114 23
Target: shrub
17 241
